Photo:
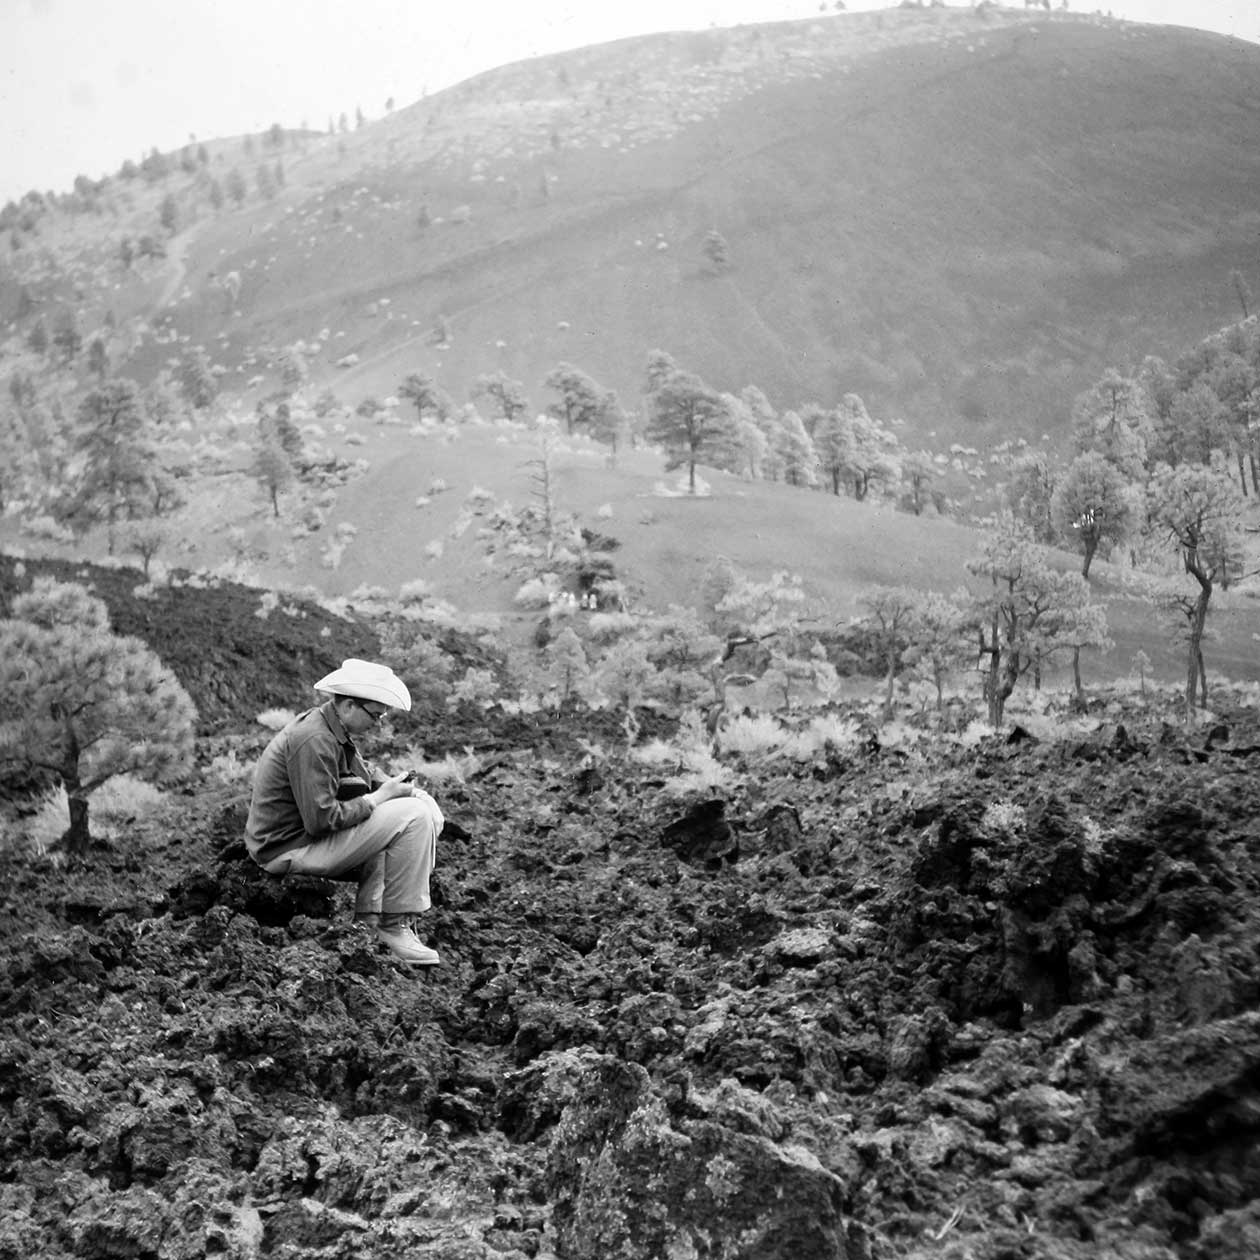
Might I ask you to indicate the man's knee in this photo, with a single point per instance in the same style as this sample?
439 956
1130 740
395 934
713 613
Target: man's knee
415 813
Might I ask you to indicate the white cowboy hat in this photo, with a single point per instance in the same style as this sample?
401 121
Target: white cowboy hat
365 680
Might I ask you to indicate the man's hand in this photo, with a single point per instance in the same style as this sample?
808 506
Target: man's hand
391 789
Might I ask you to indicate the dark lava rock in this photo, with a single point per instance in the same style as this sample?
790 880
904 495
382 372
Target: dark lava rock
629 1180
702 836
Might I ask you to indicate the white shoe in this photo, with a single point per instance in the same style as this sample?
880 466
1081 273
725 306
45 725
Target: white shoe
407 947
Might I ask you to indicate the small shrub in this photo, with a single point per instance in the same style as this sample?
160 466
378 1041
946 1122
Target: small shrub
1003 818
450 769
696 769
228 770
605 627
828 733
414 592
45 527
705 776
275 719
477 687
535 593
326 403
758 735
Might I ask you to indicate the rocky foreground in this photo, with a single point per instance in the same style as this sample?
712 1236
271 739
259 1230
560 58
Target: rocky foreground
987 1004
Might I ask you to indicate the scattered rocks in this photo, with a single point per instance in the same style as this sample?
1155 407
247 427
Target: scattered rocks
749 1032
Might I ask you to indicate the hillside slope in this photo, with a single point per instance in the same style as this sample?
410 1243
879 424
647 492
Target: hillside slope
965 221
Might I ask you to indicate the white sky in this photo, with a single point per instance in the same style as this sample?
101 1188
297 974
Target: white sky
85 84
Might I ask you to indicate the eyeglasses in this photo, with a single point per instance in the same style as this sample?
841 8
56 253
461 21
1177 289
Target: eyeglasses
374 713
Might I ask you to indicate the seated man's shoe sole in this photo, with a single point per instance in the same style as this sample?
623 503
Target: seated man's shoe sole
430 959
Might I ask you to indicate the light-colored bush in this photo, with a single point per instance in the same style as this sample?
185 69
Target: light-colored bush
116 806
695 768
707 775
604 627
228 770
275 719
46 527
453 768
536 592
825 733
414 592
1003 818
755 735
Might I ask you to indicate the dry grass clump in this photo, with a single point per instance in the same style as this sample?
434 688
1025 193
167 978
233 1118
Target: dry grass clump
114 808
761 735
695 768
453 768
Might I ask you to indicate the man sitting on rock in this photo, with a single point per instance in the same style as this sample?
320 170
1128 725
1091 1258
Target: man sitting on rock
305 817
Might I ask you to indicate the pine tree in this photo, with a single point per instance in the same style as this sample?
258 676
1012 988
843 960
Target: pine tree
67 337
266 182
236 187
1200 512
421 391
119 460
197 381
569 666
84 703
685 417
273 471
580 397
168 215
507 394
796 450
1026 613
1094 503
145 538
98 358
918 471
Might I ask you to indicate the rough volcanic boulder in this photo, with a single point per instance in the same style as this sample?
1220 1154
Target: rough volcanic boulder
628 1178
702 836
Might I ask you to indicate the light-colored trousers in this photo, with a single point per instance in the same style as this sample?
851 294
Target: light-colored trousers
394 849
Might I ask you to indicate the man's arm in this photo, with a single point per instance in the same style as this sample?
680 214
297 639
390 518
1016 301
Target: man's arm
315 773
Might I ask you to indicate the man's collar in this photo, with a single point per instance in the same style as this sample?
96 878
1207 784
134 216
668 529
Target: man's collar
329 710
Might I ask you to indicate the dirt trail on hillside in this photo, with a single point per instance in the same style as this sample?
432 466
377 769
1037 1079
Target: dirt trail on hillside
177 262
